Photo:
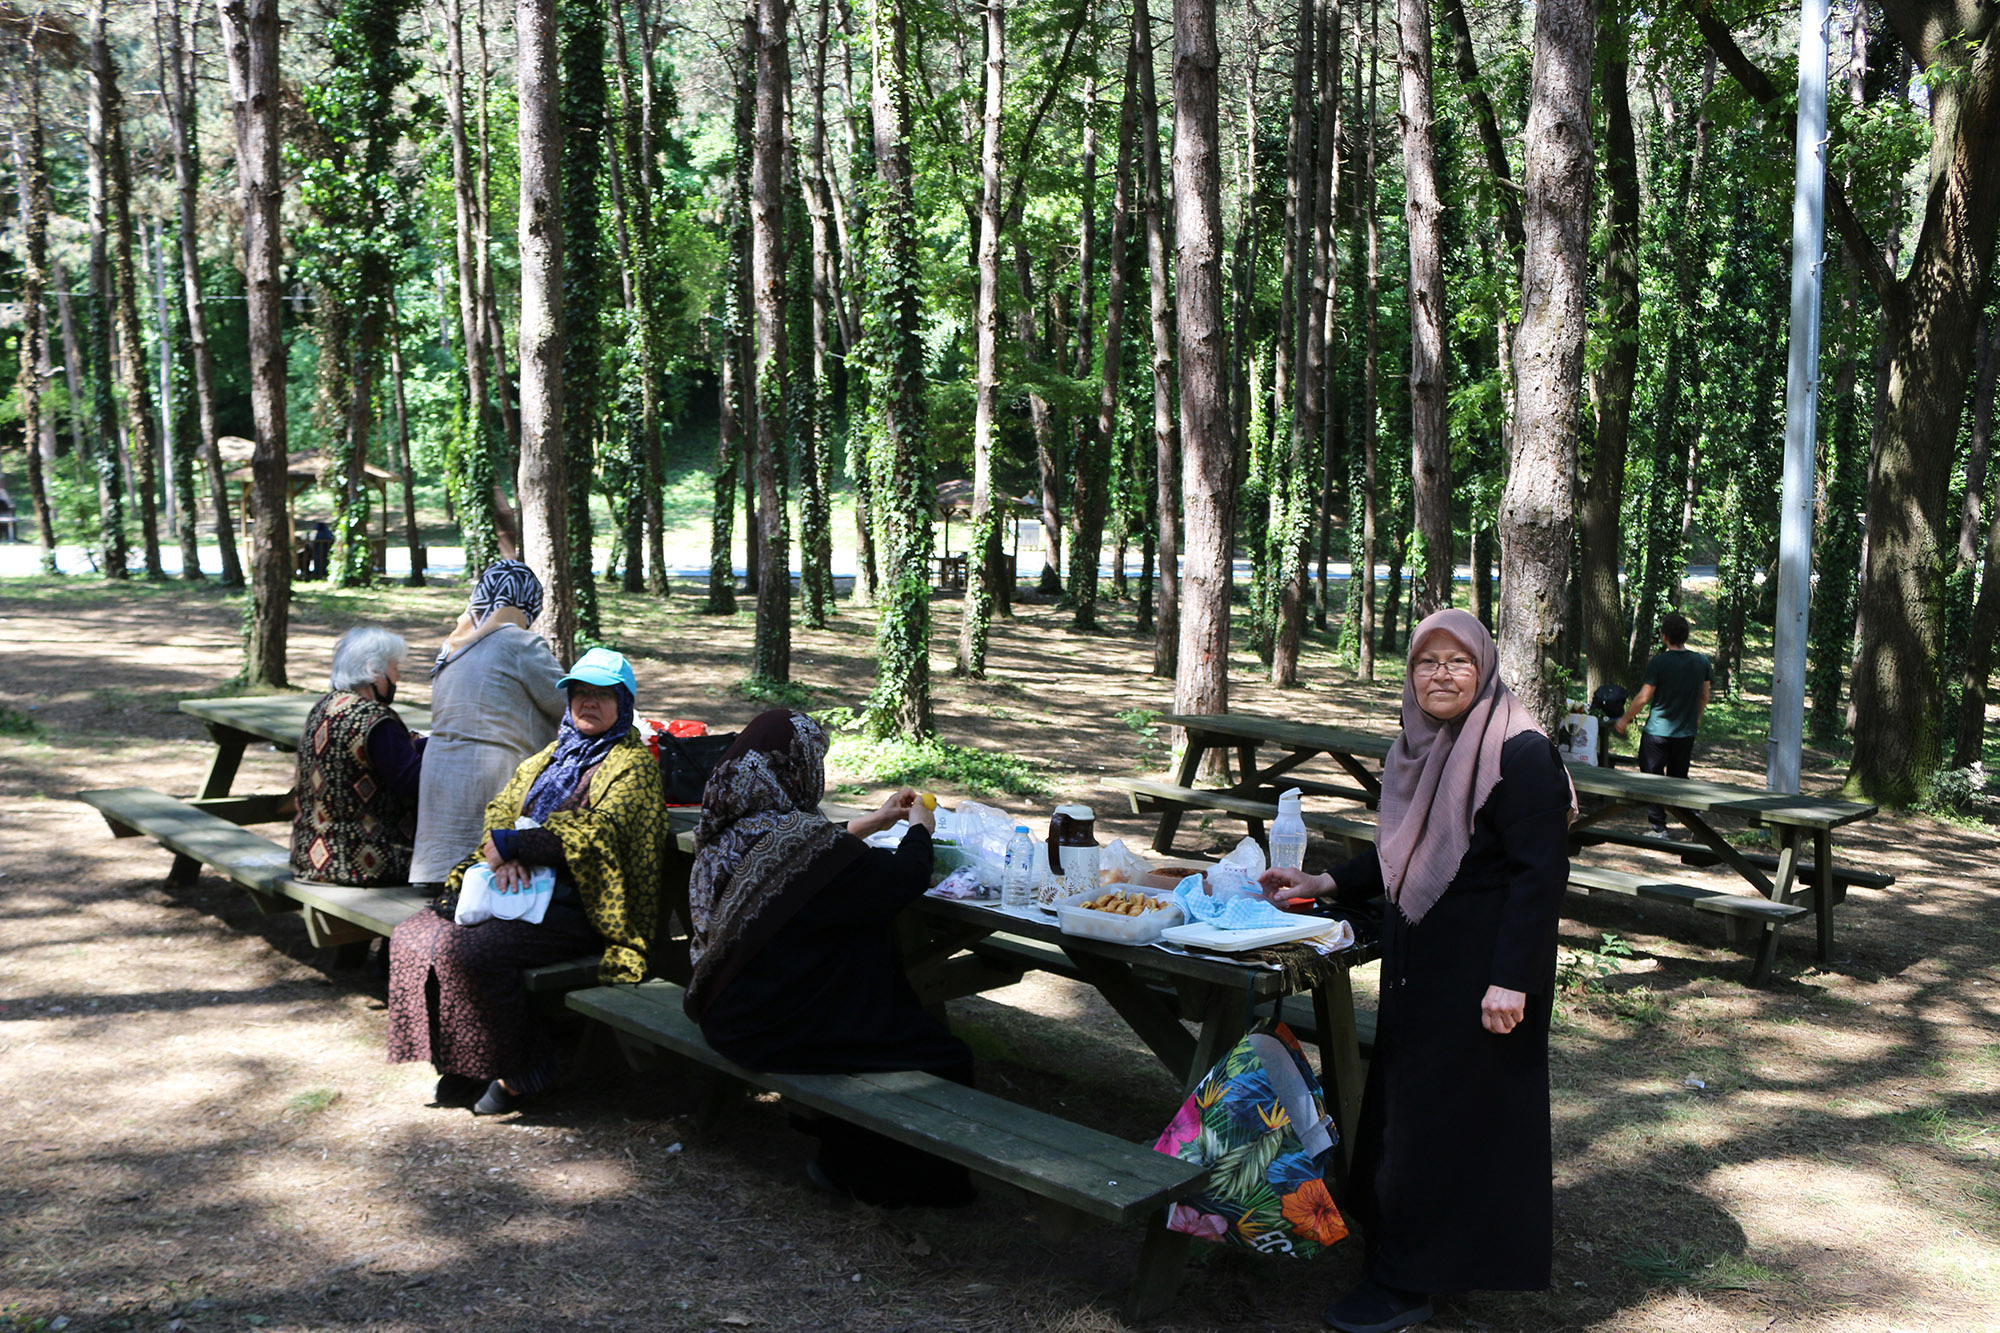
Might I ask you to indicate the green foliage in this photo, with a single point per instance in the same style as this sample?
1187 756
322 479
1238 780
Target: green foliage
1578 973
776 693
18 724
929 762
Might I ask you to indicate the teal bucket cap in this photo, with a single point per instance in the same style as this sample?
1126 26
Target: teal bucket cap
602 666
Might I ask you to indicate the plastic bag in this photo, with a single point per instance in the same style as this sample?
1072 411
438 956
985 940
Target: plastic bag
480 898
1118 864
1236 874
981 833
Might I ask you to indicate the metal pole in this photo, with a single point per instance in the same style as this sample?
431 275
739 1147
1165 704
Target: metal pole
1788 665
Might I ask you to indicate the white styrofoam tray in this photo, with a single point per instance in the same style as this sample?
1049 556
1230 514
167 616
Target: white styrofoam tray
1076 919
1203 935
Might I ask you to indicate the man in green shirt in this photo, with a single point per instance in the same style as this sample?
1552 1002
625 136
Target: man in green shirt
1676 684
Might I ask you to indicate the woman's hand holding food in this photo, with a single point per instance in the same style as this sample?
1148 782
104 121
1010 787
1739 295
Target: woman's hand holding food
901 804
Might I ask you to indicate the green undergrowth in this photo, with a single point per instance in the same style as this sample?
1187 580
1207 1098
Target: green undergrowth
934 763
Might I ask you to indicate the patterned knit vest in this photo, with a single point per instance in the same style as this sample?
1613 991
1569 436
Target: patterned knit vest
350 829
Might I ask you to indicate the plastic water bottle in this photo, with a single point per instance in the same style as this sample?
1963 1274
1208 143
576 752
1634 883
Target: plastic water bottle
1017 880
1288 834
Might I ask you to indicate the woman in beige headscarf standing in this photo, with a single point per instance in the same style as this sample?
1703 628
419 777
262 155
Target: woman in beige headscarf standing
495 700
1453 1180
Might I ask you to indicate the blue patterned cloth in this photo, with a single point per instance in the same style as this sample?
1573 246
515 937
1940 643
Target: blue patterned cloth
1232 914
576 754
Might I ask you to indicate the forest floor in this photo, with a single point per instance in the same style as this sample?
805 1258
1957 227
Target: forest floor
198 1130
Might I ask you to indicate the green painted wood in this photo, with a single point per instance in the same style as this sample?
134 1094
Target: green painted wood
377 911
575 974
278 718
254 862
1597 879
1697 854
1072 1165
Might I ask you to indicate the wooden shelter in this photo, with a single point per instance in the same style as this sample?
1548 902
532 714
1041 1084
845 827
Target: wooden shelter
302 473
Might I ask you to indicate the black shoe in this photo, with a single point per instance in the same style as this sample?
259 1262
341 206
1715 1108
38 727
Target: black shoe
458 1090
1374 1308
497 1101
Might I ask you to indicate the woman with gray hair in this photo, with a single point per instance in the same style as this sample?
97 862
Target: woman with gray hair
358 770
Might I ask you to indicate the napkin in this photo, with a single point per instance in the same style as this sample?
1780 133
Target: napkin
1244 913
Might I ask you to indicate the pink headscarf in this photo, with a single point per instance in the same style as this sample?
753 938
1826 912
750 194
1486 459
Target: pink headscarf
1438 774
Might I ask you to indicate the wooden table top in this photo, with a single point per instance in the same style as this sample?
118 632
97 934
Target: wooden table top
279 718
1621 784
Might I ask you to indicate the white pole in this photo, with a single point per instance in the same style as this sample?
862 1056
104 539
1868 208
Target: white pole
1788 666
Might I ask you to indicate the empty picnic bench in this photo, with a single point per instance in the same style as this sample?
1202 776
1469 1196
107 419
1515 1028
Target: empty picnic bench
1748 922
1075 1172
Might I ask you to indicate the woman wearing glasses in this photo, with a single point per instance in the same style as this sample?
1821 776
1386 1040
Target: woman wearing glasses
1452 1173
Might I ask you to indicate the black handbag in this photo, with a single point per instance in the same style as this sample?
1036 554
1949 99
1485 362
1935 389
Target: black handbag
686 762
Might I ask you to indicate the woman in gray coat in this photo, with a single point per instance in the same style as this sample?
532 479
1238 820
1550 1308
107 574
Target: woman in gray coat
494 702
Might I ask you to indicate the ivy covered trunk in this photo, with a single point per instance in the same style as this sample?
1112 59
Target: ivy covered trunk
31 181
1618 315
581 33
900 471
1166 425
986 318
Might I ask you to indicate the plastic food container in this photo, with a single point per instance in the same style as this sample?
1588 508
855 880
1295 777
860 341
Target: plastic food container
1076 919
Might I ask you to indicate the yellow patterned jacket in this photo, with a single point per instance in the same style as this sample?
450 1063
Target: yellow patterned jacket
614 843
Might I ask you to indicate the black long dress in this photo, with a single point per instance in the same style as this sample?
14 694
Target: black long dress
1453 1177
828 995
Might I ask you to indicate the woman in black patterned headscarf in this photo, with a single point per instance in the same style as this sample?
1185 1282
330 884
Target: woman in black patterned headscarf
795 968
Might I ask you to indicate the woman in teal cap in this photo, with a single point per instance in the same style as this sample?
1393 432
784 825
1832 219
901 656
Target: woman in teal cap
590 807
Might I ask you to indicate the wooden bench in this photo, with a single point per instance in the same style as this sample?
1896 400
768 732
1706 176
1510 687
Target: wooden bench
1076 1172
1747 919
337 916
1700 854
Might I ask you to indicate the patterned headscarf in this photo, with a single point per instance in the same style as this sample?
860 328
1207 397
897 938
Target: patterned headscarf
506 583
575 757
1438 774
762 849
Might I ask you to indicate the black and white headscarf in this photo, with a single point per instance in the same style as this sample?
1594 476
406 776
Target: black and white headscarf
505 583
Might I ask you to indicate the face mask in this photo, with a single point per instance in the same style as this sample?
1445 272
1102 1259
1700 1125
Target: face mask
387 696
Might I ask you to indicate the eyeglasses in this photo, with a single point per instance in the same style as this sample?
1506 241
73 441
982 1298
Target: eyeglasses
1451 666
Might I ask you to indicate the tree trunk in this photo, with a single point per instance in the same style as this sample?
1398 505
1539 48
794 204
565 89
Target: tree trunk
772 381
1969 743
1304 470
543 471
177 70
103 114
900 465
31 179
1166 425
580 25
1430 423
1089 500
1039 420
986 323
1371 377
405 465
470 469
250 42
815 508
1537 506
1603 619
1201 680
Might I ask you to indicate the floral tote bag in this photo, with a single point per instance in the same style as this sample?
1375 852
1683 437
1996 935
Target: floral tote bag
1259 1120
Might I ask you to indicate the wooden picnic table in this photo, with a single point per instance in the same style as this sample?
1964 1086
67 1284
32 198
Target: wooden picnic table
234 724
958 947
1797 823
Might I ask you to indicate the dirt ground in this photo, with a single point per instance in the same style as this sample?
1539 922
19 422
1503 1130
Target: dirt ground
198 1131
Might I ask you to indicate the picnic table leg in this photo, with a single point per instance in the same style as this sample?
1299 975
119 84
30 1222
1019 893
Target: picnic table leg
1222 1025
1161 1260
1170 816
1143 1011
1341 1070
1824 891
229 746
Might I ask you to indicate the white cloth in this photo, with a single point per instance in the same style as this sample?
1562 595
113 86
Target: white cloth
492 707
